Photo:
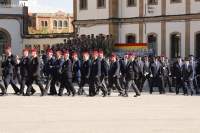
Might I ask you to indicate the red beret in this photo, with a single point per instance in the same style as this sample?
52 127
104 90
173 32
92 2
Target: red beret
95 52
85 53
100 52
25 50
65 52
113 55
49 51
34 50
8 47
59 52
74 54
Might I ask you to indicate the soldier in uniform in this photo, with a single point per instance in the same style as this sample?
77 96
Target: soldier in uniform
34 74
66 81
188 77
48 68
123 64
57 67
85 72
114 75
177 72
76 68
156 76
95 76
24 72
131 71
8 66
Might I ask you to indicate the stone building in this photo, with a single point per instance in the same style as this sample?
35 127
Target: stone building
59 22
169 27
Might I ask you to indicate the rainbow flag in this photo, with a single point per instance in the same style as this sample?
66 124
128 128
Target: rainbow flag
131 46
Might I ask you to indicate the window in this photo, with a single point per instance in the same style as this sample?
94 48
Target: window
152 2
60 24
176 1
101 3
131 38
65 24
42 23
131 3
46 23
83 4
55 24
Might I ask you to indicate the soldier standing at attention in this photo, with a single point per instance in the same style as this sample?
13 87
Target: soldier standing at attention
8 66
34 74
76 68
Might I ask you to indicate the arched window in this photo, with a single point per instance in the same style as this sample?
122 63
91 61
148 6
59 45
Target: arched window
197 44
175 39
55 24
131 38
65 24
152 43
60 24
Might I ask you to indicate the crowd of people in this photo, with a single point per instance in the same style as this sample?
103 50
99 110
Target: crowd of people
82 43
63 69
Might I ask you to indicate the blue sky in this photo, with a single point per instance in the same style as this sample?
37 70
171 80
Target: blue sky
50 6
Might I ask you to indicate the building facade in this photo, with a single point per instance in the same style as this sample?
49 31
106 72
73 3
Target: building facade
59 22
169 27
12 24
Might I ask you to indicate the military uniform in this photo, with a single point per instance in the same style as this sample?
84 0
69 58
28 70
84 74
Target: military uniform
8 66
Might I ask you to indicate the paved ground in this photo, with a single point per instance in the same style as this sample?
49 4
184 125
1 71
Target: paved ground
147 114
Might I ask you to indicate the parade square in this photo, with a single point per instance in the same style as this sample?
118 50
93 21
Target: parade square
147 114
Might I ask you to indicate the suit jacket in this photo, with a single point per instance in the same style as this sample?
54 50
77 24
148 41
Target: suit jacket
96 69
24 66
187 72
156 70
131 70
9 65
48 66
146 68
123 65
165 69
57 68
114 70
86 69
67 69
34 67
177 70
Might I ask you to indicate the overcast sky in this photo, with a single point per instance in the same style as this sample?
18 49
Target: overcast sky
50 6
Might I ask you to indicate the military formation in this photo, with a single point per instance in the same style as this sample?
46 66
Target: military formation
58 72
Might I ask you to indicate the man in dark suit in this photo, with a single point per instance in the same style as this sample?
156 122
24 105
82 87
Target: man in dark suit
188 77
66 81
48 68
156 76
34 74
131 74
57 67
24 71
166 73
85 72
123 63
95 75
146 69
140 75
104 70
8 66
114 75
177 73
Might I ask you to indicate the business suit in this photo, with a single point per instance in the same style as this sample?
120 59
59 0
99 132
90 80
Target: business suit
156 77
131 74
140 76
188 79
177 72
114 76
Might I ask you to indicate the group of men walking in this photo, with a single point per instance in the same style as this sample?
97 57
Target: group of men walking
63 69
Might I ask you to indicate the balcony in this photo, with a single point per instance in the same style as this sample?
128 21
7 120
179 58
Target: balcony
11 9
